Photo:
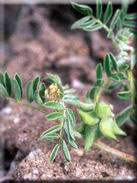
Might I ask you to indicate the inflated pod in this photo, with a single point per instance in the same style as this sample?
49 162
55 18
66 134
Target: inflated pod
85 106
88 118
106 127
91 133
117 130
103 110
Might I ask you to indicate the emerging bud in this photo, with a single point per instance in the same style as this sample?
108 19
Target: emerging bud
106 128
53 92
103 110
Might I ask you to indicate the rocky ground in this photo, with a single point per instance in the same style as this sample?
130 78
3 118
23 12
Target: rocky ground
42 43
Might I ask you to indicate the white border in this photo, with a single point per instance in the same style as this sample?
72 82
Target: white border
57 1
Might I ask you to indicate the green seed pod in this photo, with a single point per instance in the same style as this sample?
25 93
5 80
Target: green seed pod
117 130
91 133
106 128
85 106
87 118
103 110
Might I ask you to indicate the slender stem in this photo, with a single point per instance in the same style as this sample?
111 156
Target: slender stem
131 86
21 102
115 152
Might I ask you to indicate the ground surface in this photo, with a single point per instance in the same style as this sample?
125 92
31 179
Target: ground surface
41 44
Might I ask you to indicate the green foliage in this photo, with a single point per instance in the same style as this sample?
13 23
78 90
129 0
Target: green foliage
54 152
97 117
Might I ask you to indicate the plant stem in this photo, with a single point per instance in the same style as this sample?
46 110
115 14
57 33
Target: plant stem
21 102
131 86
115 152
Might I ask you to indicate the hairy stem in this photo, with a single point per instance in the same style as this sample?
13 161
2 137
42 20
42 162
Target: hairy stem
115 152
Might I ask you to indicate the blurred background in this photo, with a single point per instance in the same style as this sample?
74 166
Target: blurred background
38 39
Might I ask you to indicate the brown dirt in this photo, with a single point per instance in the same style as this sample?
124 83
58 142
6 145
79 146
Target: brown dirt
21 129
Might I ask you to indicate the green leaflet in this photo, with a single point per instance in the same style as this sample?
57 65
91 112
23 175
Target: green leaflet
38 98
66 151
53 78
115 19
99 72
83 22
131 16
93 28
94 92
54 152
31 88
108 13
54 105
113 61
29 91
122 117
124 95
3 91
7 83
18 79
1 79
16 89
107 66
70 116
99 9
84 9
50 131
70 138
54 116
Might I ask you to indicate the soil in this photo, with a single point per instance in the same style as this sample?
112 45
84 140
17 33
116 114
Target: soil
40 44
21 129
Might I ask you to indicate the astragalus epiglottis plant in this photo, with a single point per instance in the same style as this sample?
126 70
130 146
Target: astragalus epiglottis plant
97 117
